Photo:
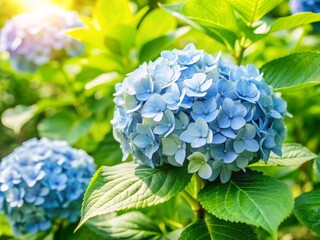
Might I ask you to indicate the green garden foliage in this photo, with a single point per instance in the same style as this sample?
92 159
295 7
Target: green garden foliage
71 99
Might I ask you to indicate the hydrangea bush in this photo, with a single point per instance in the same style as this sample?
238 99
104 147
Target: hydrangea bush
34 38
188 104
298 6
43 181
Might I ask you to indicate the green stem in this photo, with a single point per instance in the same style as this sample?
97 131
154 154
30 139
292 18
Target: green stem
173 223
239 54
195 206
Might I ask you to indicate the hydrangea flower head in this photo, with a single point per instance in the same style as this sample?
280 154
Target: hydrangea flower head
42 181
297 6
219 116
34 38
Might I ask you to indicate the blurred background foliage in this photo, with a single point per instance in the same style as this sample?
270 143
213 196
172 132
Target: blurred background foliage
72 100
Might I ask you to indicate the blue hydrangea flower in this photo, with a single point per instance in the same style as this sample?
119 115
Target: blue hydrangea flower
298 6
206 110
232 115
199 163
146 141
174 97
166 125
224 152
198 85
197 134
154 108
224 89
245 140
42 181
36 37
190 103
174 146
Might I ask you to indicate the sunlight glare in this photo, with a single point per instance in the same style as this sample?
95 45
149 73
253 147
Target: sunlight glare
28 5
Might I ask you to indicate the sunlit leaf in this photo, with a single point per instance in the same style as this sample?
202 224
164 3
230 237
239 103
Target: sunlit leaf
16 118
293 154
307 209
109 13
131 225
295 20
212 228
294 71
253 10
250 198
130 186
156 24
152 49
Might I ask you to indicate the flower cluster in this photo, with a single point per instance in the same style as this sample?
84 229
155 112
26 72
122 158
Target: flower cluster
189 105
298 6
35 38
42 181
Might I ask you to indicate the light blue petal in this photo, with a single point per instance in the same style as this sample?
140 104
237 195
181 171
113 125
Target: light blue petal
160 129
169 147
158 117
202 127
239 146
212 116
141 141
206 85
218 138
223 120
230 156
180 156
205 171
228 133
228 106
225 175
237 123
250 131
199 108
193 166
186 137
148 112
198 142
251 145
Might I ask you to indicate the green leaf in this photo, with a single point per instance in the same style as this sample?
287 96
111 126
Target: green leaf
108 152
89 36
103 80
174 235
213 228
249 198
132 225
64 126
109 13
152 27
317 168
130 186
4 227
292 154
293 72
222 35
120 39
216 13
79 129
295 20
57 126
104 62
152 49
16 118
253 10
85 233
307 210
